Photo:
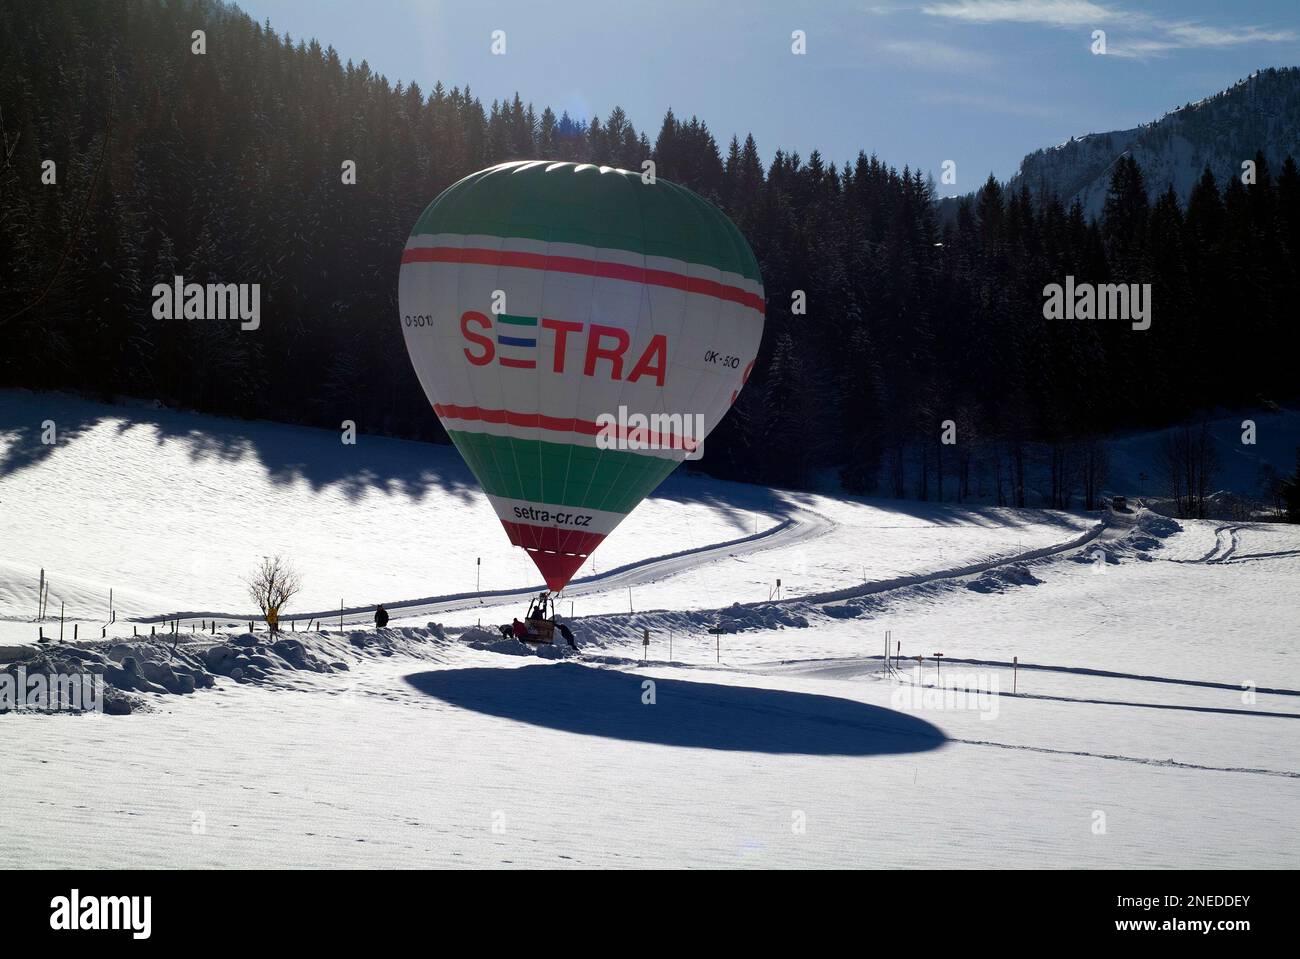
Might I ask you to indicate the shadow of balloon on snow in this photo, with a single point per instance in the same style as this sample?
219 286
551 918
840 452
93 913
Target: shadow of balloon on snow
605 702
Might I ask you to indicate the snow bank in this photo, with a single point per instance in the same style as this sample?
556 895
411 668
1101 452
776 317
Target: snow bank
157 667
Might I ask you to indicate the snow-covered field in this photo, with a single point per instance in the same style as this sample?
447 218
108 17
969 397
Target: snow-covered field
171 510
1152 721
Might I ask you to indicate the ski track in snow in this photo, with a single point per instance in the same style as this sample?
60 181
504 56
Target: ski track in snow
1171 763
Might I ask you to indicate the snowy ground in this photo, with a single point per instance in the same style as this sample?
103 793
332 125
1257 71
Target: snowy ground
1153 721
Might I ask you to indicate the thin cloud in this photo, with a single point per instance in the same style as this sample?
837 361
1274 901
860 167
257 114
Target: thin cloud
1057 13
936 55
1134 33
1193 34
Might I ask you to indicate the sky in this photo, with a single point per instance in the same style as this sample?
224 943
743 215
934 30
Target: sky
977 82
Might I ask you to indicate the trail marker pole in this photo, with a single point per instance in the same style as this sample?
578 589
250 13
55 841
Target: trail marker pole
340 615
110 605
717 631
478 574
41 633
629 599
1015 668
60 622
74 631
645 644
898 649
937 658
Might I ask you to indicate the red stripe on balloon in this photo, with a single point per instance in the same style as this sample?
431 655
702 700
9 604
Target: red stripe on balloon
558 424
558 553
552 539
584 267
517 364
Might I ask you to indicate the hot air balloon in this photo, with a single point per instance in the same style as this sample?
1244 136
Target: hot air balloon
579 331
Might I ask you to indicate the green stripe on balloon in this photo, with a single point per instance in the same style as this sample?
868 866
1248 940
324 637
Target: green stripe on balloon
614 209
561 474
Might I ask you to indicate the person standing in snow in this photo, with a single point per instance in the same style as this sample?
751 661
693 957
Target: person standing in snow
381 617
519 629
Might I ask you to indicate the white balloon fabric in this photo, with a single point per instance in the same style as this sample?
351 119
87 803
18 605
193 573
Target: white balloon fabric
579 332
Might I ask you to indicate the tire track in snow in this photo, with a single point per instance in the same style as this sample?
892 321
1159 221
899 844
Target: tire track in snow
1234 541
1226 541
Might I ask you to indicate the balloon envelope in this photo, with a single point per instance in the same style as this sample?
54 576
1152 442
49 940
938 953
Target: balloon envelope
579 332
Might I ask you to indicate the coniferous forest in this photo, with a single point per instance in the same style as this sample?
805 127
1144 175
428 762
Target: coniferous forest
225 167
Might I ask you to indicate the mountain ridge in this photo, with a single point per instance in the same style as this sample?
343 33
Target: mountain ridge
1260 113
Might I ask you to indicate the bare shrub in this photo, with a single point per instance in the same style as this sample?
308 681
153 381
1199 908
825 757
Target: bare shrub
271 586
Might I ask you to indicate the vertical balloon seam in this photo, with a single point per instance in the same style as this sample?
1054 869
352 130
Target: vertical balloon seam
481 446
473 450
447 196
564 486
645 290
522 445
725 232
669 189
682 314
680 198
623 461
453 197
504 229
623 385
683 198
